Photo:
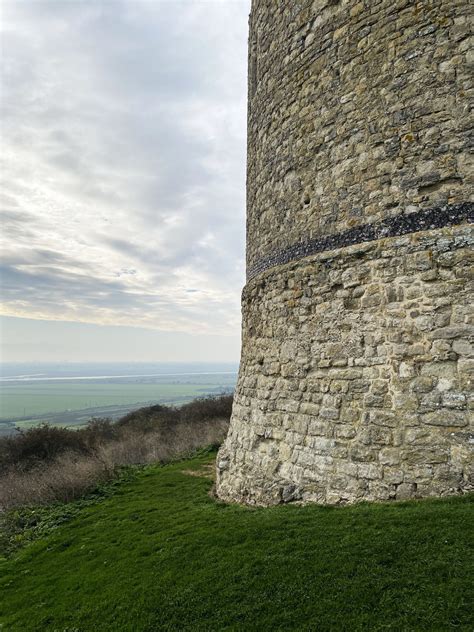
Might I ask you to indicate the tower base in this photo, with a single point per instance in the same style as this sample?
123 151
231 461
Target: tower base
355 377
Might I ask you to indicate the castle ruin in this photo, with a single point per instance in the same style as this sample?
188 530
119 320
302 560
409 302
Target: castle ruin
354 380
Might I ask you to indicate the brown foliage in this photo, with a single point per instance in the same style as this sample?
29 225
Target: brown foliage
45 464
43 443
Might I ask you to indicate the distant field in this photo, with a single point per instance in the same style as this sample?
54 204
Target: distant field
21 400
72 402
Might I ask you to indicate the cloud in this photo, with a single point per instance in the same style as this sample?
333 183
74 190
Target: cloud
124 162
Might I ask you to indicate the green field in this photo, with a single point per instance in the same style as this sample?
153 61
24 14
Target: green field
45 397
161 554
74 402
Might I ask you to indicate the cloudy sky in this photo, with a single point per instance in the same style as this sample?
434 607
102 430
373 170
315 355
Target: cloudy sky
123 179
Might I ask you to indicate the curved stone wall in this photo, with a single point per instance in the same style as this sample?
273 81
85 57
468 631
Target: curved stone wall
358 111
357 328
354 380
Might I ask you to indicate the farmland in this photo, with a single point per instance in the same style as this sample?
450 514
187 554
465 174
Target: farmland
64 398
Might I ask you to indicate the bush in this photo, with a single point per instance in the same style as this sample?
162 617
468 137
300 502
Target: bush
65 478
152 418
207 408
35 445
98 431
44 464
149 418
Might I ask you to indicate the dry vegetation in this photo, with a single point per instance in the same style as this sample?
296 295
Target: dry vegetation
46 464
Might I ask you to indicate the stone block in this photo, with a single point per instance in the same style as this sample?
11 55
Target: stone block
445 417
405 491
463 348
423 384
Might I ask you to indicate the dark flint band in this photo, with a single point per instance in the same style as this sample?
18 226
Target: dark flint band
424 219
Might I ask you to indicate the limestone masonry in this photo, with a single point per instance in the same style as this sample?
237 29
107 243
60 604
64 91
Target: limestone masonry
355 380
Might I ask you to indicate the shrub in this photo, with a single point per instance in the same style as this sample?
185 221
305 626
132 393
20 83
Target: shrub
65 478
98 431
149 418
44 464
207 408
42 443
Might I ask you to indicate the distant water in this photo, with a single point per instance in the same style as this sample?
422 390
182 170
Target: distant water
10 372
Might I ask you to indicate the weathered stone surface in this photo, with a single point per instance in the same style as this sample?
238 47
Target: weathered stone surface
355 380
356 128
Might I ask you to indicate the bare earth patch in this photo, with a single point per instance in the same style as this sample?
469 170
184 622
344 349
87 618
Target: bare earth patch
207 470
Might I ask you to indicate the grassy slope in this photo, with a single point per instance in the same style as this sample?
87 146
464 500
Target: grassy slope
160 554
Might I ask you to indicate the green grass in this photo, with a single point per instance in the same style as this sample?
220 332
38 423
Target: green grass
161 554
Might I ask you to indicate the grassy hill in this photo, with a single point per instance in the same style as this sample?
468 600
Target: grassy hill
161 554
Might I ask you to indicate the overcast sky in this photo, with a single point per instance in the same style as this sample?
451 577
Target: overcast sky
123 179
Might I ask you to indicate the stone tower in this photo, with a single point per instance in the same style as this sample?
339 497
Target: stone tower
356 356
